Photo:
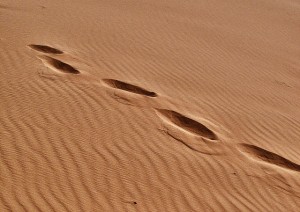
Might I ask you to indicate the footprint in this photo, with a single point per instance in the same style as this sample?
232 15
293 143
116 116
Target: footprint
128 87
185 123
260 154
45 49
58 65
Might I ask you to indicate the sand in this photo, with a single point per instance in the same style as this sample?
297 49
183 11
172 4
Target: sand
144 105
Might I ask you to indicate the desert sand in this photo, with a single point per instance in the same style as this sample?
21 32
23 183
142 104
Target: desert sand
145 105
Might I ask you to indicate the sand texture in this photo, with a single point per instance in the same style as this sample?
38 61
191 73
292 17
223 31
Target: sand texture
149 105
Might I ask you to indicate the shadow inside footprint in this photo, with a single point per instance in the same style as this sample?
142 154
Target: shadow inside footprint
260 154
45 49
128 87
59 65
186 123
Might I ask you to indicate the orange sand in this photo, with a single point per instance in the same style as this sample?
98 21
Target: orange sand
144 105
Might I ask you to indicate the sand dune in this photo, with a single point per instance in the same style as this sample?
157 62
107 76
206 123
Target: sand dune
149 105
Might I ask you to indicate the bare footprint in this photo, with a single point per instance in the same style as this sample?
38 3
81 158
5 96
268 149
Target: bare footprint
45 49
117 84
266 156
186 124
58 65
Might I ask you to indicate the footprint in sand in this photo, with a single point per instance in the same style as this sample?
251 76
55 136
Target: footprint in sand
265 156
124 86
186 124
58 65
45 49
191 133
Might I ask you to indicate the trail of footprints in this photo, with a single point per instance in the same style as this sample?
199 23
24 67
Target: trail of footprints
169 117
